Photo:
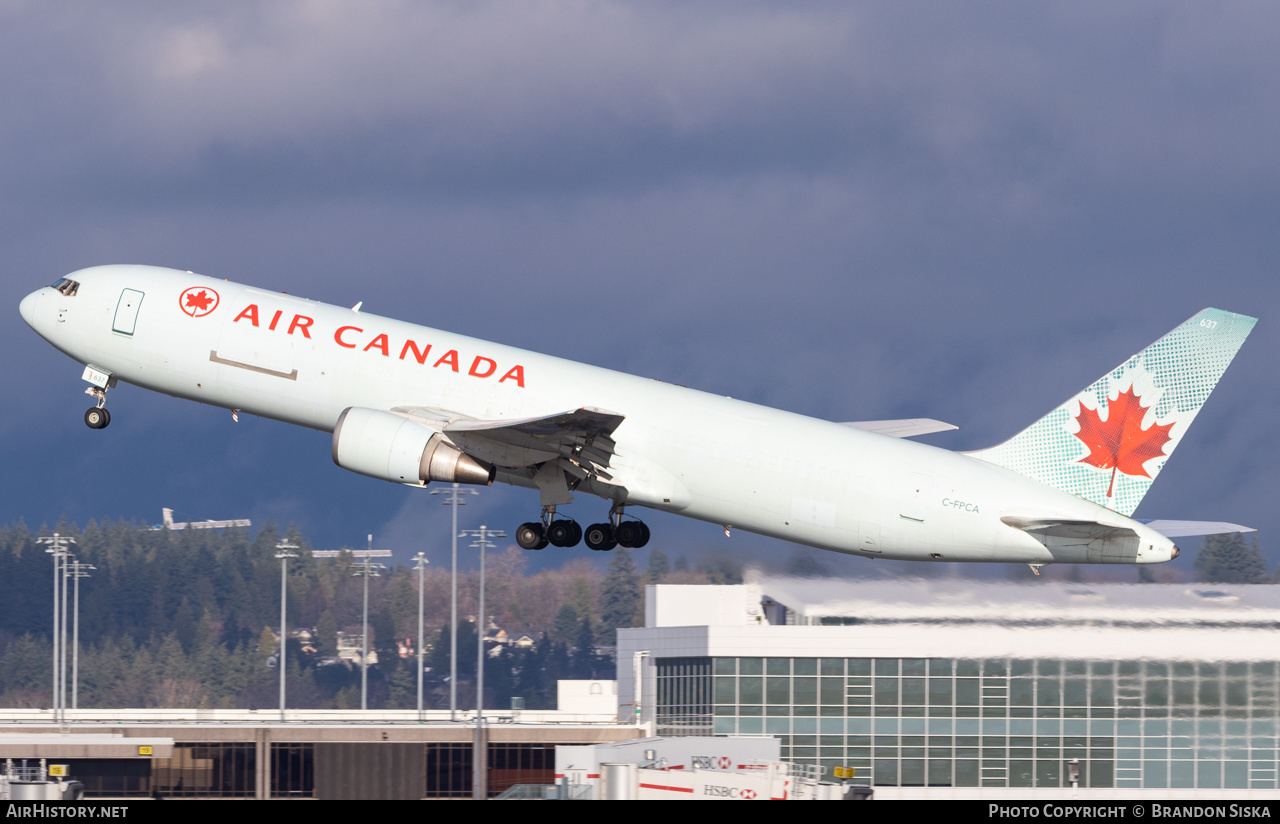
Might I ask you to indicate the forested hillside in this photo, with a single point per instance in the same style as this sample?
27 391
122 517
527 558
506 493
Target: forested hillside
188 619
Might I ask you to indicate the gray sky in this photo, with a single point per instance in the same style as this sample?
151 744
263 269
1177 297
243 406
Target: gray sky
961 211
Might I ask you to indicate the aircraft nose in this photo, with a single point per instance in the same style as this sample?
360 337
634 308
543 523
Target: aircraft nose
30 306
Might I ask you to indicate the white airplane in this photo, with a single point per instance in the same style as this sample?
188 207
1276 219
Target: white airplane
411 405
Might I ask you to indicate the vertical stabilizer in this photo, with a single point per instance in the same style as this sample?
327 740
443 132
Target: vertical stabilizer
1108 443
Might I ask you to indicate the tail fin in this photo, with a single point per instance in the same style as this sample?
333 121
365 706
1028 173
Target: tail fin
1108 443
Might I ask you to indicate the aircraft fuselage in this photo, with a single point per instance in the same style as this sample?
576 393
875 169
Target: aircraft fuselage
679 450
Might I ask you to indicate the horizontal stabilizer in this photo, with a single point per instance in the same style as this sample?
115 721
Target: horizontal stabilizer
905 428
1188 529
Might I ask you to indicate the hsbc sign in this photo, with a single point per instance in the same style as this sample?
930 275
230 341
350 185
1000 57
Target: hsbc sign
720 791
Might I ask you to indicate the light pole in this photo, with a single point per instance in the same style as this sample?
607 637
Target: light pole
454 501
479 758
78 571
67 560
284 551
57 547
420 564
367 569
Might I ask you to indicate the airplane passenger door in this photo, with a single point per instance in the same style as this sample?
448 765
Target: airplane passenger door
127 312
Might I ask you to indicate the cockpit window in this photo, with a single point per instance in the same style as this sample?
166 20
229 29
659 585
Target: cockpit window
66 286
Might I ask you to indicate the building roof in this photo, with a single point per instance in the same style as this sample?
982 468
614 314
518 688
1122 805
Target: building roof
1050 602
956 618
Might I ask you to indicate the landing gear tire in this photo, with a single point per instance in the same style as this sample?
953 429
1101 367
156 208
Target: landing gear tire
531 536
632 534
97 418
564 533
600 537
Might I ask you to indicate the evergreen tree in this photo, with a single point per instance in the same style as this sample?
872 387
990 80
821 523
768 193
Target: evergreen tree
26 673
659 565
1227 559
559 667
620 596
722 569
566 626
580 599
584 659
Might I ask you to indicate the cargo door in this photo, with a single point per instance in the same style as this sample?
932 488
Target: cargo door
127 311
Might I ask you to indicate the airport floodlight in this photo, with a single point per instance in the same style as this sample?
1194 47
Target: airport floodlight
354 553
366 569
57 547
420 563
454 500
284 551
480 775
77 570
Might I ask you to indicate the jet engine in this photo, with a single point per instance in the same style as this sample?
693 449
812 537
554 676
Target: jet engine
393 448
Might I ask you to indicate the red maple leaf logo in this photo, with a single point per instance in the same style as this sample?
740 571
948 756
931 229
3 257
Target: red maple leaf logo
199 301
1120 443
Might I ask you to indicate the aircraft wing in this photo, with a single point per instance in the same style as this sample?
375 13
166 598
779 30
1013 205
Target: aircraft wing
1187 529
905 428
580 436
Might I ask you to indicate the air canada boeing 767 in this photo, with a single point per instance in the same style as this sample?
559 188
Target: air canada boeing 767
411 405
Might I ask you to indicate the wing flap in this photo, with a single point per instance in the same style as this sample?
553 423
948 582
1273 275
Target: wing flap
581 438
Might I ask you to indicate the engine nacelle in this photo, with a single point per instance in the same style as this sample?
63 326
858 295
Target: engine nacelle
387 446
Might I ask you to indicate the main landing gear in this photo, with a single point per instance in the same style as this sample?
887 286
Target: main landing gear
537 534
97 417
601 537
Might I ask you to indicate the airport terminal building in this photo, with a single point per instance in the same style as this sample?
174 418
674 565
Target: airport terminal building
959 684
925 687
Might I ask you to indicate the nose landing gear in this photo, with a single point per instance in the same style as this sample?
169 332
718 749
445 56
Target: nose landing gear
98 417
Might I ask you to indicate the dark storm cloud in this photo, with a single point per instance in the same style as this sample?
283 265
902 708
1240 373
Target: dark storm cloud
967 211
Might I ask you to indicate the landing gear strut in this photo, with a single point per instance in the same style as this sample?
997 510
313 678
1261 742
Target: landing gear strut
97 417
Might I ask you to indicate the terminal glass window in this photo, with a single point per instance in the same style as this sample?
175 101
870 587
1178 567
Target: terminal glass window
221 770
293 773
685 693
992 722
